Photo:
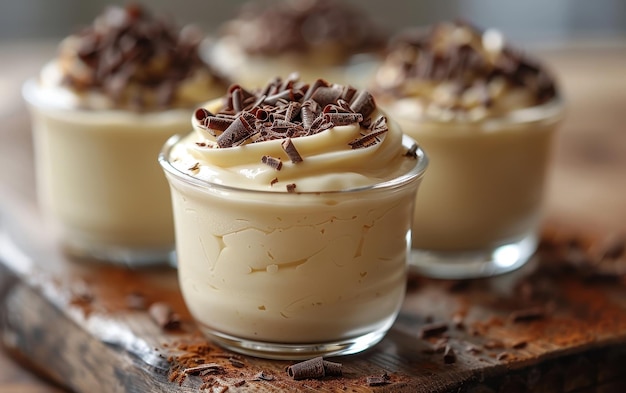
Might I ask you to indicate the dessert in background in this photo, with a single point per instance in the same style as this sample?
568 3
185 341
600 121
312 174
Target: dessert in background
325 39
485 113
293 207
101 111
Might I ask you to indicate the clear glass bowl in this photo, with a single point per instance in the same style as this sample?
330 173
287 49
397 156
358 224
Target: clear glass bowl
293 275
480 206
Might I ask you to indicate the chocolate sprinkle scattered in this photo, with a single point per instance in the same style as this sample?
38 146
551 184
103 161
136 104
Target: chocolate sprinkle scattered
291 187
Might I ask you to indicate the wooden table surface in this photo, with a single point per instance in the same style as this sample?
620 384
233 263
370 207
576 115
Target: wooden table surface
587 185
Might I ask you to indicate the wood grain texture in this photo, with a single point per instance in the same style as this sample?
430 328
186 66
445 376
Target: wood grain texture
101 345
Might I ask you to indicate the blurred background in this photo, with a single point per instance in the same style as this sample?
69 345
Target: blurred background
530 22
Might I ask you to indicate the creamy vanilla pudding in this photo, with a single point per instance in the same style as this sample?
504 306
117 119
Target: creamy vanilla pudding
316 38
101 112
485 113
292 208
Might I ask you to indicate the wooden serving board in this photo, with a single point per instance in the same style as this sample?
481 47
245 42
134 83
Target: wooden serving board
557 325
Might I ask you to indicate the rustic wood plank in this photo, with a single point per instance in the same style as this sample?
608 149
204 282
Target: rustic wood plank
90 340
101 345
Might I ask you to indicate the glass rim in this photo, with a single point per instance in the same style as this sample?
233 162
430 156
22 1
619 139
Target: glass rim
31 93
416 172
552 109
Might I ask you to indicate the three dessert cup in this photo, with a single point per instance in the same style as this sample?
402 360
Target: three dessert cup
486 115
101 111
293 214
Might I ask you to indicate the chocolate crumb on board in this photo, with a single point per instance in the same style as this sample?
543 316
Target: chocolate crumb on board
449 356
163 315
291 187
261 376
272 162
273 181
315 368
203 369
502 356
433 330
378 380
236 362
527 315
308 369
519 344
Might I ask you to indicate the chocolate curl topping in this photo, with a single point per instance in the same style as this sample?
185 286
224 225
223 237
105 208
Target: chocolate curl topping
272 162
343 119
326 95
237 132
378 128
218 123
363 103
437 55
291 151
281 110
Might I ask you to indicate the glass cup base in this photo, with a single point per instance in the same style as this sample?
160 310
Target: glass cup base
281 351
122 256
473 264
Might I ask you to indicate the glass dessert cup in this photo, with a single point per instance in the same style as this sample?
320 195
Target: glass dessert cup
99 183
287 275
481 205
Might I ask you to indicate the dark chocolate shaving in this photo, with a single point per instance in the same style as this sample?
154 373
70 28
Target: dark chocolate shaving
343 119
449 356
309 369
291 151
291 187
363 103
273 162
237 132
378 380
204 369
261 376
